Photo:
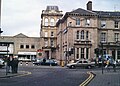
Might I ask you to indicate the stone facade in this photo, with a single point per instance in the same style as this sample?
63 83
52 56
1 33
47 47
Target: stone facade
48 35
20 45
81 31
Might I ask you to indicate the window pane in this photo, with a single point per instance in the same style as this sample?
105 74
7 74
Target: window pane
52 22
32 46
116 24
87 35
87 23
77 21
103 24
116 36
82 34
77 35
21 46
82 53
46 22
103 37
27 46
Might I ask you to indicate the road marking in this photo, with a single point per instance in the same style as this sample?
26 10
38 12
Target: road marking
26 73
91 76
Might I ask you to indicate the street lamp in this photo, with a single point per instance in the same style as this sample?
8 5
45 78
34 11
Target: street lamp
102 55
7 57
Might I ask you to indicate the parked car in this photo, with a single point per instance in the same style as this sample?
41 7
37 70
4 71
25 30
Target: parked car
82 64
2 63
46 62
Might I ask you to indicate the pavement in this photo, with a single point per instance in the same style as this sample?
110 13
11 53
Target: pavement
9 75
107 78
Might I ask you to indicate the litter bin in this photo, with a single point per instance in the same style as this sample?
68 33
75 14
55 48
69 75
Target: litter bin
62 64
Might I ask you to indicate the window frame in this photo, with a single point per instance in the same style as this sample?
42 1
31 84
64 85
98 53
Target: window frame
82 34
103 24
78 21
103 37
116 24
46 22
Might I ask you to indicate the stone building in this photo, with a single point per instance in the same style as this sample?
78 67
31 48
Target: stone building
22 46
82 31
48 34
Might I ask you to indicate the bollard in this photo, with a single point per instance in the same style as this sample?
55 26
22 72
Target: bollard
26 63
62 63
21 63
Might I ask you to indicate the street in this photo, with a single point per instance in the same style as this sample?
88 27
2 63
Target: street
46 76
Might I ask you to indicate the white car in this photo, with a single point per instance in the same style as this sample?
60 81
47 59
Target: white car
82 64
2 63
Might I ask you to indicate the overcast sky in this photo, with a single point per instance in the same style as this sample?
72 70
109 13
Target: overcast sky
23 16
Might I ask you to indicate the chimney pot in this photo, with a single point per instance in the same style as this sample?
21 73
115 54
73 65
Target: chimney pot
89 5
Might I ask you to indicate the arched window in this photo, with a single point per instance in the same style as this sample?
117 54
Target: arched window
82 34
46 22
52 22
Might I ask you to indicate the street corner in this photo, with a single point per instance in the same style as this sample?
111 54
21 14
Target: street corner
23 73
19 74
88 80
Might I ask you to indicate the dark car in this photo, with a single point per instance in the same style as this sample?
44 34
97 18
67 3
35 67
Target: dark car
46 62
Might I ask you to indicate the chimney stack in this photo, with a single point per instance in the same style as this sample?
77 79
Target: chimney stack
89 5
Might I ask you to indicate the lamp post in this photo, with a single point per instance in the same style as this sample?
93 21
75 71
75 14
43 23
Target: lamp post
102 56
7 57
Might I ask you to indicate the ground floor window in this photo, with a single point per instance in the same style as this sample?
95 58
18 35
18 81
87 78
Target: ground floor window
82 53
118 54
87 53
77 56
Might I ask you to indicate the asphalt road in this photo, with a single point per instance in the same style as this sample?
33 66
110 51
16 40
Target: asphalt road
46 76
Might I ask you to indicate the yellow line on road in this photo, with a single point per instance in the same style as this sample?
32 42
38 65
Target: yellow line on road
25 74
91 76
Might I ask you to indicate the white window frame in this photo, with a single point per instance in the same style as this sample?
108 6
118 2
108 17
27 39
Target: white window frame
78 21
46 22
116 24
87 22
116 37
82 34
103 37
52 22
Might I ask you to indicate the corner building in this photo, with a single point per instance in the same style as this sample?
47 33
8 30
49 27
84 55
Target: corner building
81 31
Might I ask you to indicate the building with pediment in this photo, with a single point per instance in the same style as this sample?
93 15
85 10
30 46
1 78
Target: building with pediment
20 45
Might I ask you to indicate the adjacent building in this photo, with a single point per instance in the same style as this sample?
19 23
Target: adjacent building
24 47
48 35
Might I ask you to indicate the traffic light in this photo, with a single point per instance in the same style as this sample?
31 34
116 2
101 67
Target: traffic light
96 50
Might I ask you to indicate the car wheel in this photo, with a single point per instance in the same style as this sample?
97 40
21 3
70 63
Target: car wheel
72 66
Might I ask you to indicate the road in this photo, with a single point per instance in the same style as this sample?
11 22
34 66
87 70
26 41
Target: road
46 76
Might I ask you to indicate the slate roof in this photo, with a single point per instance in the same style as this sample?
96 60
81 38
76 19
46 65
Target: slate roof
21 35
107 13
98 13
82 11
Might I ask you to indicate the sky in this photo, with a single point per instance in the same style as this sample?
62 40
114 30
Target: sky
24 16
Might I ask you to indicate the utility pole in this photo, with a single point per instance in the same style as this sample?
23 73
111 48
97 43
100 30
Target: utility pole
0 19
